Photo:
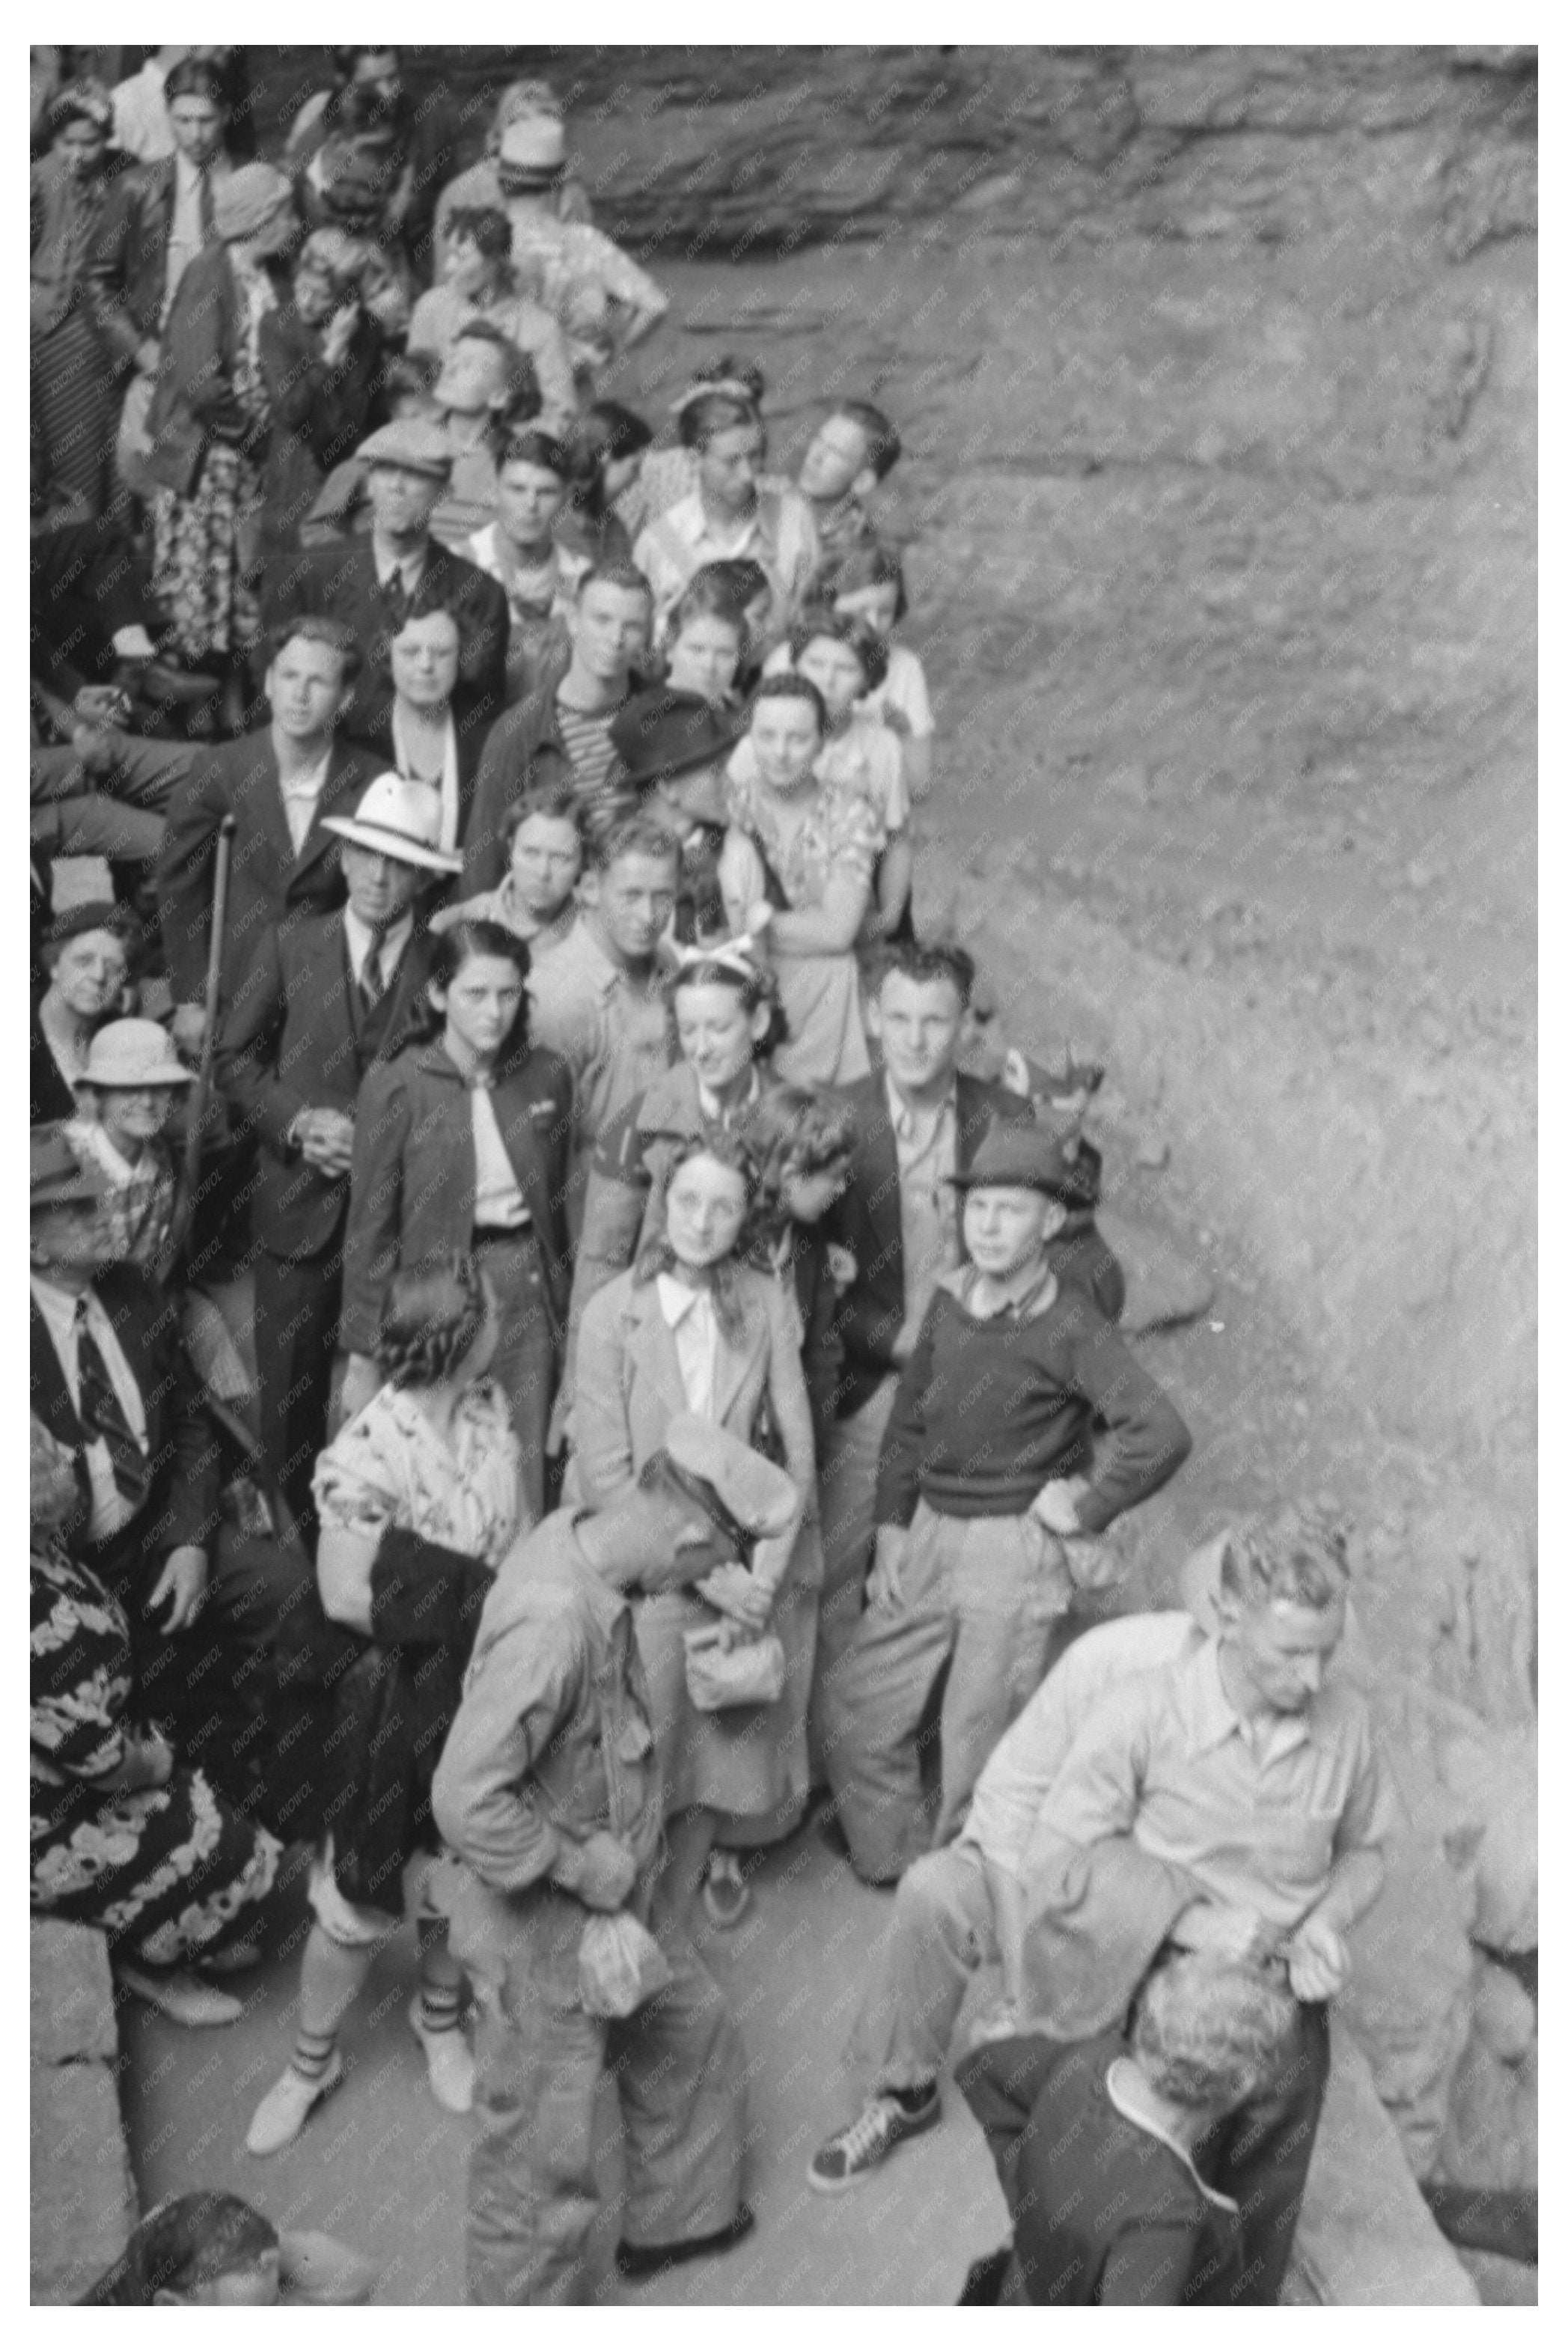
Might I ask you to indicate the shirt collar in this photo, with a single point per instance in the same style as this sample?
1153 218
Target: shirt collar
608 1605
712 1108
360 939
903 1117
59 1307
1021 1293
1212 1718
676 1301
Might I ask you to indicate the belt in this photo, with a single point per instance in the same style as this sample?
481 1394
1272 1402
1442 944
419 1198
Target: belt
483 1233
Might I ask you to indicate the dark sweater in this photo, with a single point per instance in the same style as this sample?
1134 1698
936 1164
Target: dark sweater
988 1412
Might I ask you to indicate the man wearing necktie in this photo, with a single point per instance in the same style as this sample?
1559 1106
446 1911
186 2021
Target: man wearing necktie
110 1380
376 581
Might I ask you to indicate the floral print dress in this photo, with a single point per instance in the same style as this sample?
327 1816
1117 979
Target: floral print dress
168 1872
205 546
772 856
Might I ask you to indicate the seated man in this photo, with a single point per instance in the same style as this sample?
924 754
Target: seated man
110 1382
550 1791
1096 2143
1173 1780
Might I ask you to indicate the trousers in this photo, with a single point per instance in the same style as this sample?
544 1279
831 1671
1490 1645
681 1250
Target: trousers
941 1931
849 1521
1259 2155
533 2192
297 1309
526 1362
983 1599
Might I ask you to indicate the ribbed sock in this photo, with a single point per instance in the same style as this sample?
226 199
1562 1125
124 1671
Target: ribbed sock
439 2005
313 2052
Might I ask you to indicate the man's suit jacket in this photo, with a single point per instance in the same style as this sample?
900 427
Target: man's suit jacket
128 257
341 581
297 1038
183 1456
193 399
266 880
867 1221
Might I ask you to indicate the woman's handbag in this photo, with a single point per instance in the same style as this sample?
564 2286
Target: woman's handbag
752 1673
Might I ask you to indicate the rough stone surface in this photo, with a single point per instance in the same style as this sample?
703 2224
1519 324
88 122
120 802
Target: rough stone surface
83 2199
71 1994
1365 2235
1505 2013
1165 1283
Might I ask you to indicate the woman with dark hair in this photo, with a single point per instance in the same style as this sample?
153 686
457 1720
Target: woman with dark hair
88 954
74 371
428 732
838 656
606 447
212 2248
728 1021
208 427
462 1143
867 585
692 1328
419 1497
706 636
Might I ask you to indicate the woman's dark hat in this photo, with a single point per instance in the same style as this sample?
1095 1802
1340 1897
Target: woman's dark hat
664 732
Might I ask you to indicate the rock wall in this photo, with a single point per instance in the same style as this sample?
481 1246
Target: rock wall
83 2201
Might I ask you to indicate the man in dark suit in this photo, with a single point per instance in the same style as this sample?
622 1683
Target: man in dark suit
110 1380
321 1002
281 786
918 1121
376 583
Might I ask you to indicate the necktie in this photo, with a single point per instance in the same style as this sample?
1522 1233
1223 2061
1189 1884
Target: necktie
372 981
101 1414
204 205
395 595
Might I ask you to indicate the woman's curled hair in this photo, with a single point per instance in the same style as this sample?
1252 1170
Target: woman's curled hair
730 1150
432 1315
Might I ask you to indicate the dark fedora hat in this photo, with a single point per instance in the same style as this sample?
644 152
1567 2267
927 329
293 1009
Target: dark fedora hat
1035 1159
664 732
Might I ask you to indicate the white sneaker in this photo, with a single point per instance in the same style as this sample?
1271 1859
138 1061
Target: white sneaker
449 2059
182 1997
287 2107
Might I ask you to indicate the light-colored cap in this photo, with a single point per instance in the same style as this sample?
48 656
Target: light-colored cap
412 443
535 147
134 1053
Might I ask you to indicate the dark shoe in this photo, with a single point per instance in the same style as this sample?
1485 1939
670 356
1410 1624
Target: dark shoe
883 2124
984 2283
644 2260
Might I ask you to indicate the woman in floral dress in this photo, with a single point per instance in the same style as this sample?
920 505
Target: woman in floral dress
208 426
418 1498
122 1838
798 861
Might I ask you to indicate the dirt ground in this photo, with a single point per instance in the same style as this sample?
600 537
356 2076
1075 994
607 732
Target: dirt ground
1222 563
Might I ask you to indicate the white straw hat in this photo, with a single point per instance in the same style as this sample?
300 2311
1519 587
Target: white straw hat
401 818
133 1053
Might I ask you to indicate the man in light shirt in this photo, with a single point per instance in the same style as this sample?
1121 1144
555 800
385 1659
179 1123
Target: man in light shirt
1191 1779
731 513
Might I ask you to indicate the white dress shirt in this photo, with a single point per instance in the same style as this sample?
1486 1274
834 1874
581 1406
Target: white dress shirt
497 1196
360 939
110 1510
301 797
691 1317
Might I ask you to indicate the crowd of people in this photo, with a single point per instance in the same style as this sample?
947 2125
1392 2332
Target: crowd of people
564 1352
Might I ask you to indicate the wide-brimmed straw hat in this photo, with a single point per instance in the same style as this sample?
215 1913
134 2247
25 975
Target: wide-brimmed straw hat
401 818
